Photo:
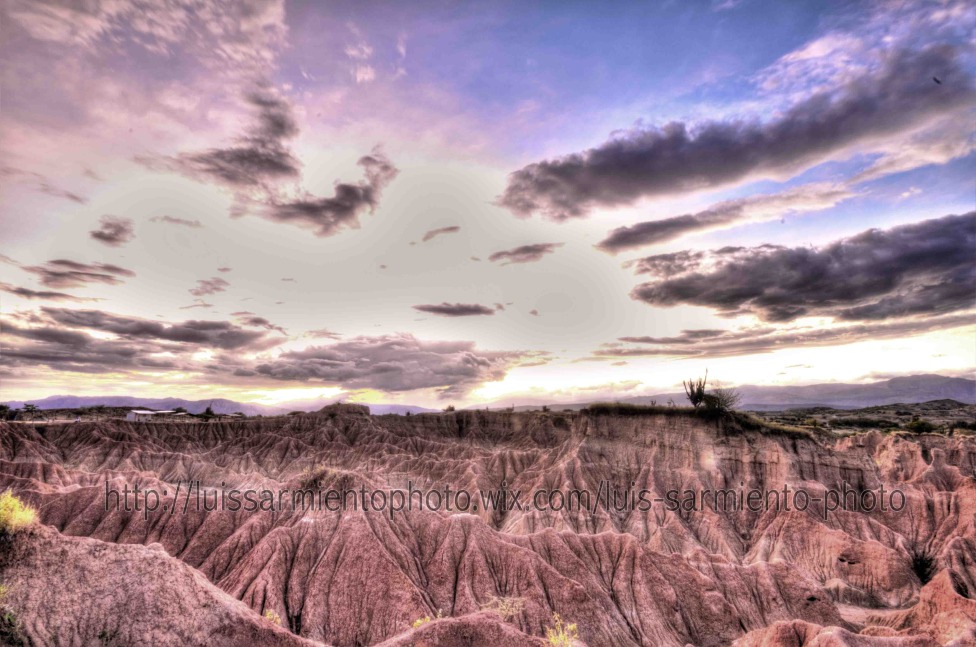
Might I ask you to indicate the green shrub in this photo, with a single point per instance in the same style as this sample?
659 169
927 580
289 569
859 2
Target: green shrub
14 514
272 617
862 422
626 409
920 427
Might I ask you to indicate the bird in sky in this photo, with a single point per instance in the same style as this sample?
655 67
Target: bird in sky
936 79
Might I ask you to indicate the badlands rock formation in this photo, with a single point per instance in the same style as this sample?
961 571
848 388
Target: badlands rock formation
628 577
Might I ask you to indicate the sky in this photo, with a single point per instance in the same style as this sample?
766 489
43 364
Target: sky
438 203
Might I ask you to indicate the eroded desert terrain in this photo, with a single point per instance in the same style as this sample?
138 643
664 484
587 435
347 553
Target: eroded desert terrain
91 574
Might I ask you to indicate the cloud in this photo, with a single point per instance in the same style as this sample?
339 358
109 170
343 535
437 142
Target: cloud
57 192
896 98
62 273
923 268
393 363
359 53
323 333
940 143
197 303
525 253
213 334
767 339
241 36
456 309
114 231
254 321
41 294
363 73
757 208
172 220
327 216
433 233
209 286
42 184
259 157
59 339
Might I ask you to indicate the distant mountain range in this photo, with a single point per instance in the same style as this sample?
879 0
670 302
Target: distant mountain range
908 390
219 405
193 406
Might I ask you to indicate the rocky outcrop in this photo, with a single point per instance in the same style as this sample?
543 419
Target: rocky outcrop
72 591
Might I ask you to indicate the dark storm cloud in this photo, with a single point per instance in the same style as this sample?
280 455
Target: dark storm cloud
393 363
433 233
27 293
62 273
326 216
525 253
767 339
724 214
923 268
896 97
259 157
213 334
172 220
456 309
114 231
209 286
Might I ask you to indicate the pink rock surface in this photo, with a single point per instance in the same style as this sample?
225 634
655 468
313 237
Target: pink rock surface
657 578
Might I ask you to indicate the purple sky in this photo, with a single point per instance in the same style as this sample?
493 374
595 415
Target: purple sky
455 202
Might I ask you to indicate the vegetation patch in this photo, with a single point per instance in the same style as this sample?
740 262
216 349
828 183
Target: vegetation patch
920 427
507 608
10 628
15 515
420 622
561 634
627 409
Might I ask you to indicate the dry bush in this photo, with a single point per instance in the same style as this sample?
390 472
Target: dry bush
420 622
507 608
312 476
562 634
272 617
